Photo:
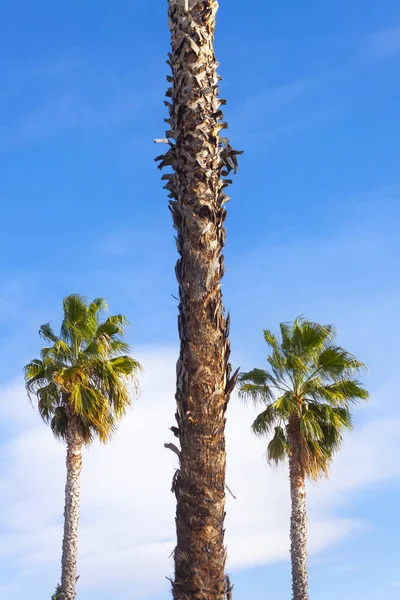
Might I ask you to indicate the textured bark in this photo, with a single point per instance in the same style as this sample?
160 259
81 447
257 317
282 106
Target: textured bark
199 158
298 522
71 510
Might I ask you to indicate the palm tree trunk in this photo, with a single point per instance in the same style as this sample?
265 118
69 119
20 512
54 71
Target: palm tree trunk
298 522
71 510
199 157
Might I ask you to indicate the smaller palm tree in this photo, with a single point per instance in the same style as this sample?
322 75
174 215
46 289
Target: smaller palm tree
81 384
308 391
57 593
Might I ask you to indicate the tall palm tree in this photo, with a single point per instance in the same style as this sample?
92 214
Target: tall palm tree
308 391
199 158
81 385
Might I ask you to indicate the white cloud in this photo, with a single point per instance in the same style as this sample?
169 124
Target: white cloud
127 518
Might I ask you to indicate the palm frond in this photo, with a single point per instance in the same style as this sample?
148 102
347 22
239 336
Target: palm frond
310 337
94 310
287 337
59 351
341 417
96 307
271 340
278 448
59 423
286 406
265 421
47 333
310 426
75 327
256 376
296 365
332 439
256 393
278 363
118 347
339 393
125 365
254 385
75 309
49 399
334 362
113 326
314 458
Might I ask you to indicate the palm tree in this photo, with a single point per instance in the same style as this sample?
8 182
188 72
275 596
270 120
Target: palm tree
308 392
199 158
57 593
81 385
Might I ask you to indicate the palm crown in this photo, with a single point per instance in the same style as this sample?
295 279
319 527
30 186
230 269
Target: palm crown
311 383
84 372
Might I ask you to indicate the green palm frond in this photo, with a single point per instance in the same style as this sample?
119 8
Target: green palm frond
278 447
59 423
257 393
340 417
256 376
34 368
310 426
271 340
48 401
75 313
315 459
118 347
296 365
39 373
85 372
332 439
96 307
113 326
334 362
94 311
265 421
59 351
309 337
125 365
254 385
277 361
341 393
47 333
286 406
286 337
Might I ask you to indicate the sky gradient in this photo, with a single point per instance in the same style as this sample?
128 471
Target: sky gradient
312 92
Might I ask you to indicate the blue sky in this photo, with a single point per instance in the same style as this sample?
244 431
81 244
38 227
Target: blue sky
312 93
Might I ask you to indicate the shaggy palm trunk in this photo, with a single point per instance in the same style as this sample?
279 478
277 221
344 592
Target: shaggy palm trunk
298 521
71 510
199 157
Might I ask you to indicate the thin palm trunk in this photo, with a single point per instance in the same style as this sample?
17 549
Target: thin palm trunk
71 510
198 156
298 521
